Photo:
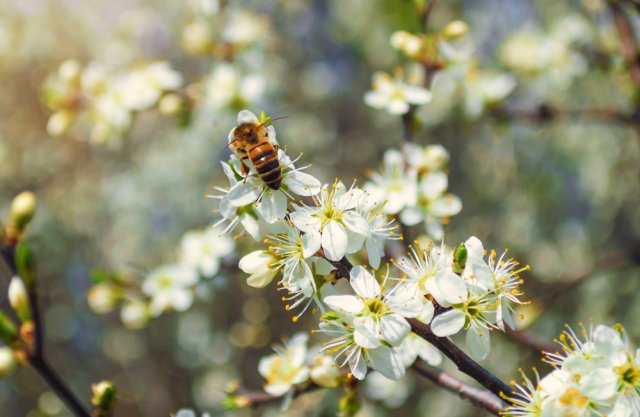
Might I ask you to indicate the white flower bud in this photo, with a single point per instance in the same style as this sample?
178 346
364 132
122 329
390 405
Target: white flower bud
134 314
23 208
19 299
7 362
102 298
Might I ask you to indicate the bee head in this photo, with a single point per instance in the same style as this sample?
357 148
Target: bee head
247 132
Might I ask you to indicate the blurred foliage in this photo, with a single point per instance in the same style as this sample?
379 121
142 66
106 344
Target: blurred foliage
562 195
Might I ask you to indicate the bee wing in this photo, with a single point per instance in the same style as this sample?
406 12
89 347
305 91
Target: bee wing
245 116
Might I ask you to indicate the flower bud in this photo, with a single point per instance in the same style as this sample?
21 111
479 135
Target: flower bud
59 122
104 399
102 298
8 329
455 30
197 37
19 299
134 314
170 104
460 258
324 372
23 208
234 402
8 362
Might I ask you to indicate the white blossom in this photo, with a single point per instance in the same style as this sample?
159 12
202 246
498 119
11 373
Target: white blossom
204 250
395 95
286 368
170 287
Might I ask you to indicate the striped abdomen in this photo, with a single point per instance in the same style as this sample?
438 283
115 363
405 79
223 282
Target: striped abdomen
265 160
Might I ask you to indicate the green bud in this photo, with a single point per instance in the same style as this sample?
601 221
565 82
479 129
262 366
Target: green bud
104 399
329 316
23 208
349 404
19 299
234 402
8 329
460 258
26 263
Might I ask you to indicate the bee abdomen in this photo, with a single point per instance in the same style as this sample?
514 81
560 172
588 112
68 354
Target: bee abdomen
265 160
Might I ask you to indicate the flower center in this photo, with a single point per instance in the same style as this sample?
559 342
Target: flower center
375 306
629 373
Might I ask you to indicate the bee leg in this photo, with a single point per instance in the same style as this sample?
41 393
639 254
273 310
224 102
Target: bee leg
244 169
276 147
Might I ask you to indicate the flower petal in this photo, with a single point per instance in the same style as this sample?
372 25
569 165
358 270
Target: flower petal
478 343
451 286
311 243
334 241
385 361
356 223
245 192
364 284
347 303
272 206
448 323
394 328
302 183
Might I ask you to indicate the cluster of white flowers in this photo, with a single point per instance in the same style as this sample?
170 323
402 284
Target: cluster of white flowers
166 288
108 98
295 364
222 31
548 60
413 185
336 221
596 374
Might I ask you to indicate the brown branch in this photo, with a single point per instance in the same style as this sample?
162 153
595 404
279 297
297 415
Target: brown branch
251 398
546 113
627 39
478 397
464 363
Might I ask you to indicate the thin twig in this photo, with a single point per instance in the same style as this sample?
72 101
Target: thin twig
478 397
36 356
251 398
546 113
627 39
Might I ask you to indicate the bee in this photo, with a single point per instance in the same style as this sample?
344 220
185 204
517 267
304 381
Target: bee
255 139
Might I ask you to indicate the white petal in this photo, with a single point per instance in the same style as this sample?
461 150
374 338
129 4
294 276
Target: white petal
305 221
250 226
474 247
375 251
272 206
447 205
302 183
417 95
364 284
448 323
245 192
394 328
356 223
600 385
355 241
334 241
358 367
406 300
478 343
261 279
433 185
427 313
451 286
254 261
364 338
347 303
385 361
245 116
311 243
411 216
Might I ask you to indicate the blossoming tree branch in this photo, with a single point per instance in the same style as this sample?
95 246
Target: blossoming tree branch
368 261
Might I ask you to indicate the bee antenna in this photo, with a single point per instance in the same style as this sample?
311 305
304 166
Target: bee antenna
272 119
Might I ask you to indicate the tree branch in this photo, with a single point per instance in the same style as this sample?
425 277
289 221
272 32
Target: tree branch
464 363
478 397
546 113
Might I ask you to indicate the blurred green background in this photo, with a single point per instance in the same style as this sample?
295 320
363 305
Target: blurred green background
562 195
